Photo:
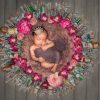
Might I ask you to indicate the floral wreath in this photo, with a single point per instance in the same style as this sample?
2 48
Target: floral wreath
18 68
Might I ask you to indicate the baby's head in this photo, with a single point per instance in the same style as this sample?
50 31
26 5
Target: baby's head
40 35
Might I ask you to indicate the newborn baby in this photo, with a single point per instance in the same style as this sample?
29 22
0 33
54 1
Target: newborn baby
43 50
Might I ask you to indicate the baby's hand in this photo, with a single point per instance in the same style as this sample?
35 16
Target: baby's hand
54 68
41 59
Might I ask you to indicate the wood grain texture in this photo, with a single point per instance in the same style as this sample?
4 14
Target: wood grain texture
10 9
80 89
92 82
2 76
20 94
88 89
99 48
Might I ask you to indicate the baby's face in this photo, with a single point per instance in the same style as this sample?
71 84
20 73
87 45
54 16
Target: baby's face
40 39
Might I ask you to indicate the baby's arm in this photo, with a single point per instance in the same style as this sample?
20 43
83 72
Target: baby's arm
32 48
49 45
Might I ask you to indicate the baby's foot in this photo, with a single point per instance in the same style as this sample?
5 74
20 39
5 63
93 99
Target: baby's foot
53 69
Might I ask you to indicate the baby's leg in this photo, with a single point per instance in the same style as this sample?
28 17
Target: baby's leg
47 65
58 58
54 68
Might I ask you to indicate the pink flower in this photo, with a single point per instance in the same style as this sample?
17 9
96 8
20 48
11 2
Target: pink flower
36 77
22 62
77 41
43 17
20 36
14 48
64 72
33 21
72 30
54 80
28 70
13 61
24 26
12 40
57 19
51 20
72 65
77 56
78 49
65 23
28 15
45 84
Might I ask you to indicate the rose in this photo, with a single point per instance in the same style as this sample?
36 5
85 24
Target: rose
77 56
36 77
64 72
20 36
12 40
14 48
13 61
77 41
28 70
28 15
72 30
65 23
72 65
33 21
43 17
22 62
24 26
51 19
55 80
78 49
45 84
57 19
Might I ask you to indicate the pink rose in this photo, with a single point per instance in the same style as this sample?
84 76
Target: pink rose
65 23
20 36
72 30
77 41
51 19
64 72
14 48
45 84
36 77
13 61
43 17
77 56
57 19
22 62
33 21
28 70
54 80
78 49
12 40
72 65
24 26
28 15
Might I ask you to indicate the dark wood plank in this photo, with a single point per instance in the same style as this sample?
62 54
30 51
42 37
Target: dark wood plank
2 76
20 94
99 48
92 82
80 89
10 9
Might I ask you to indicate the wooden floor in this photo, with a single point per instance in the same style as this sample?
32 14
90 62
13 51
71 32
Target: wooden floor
88 89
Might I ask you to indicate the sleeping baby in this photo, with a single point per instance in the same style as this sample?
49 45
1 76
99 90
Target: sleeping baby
47 52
